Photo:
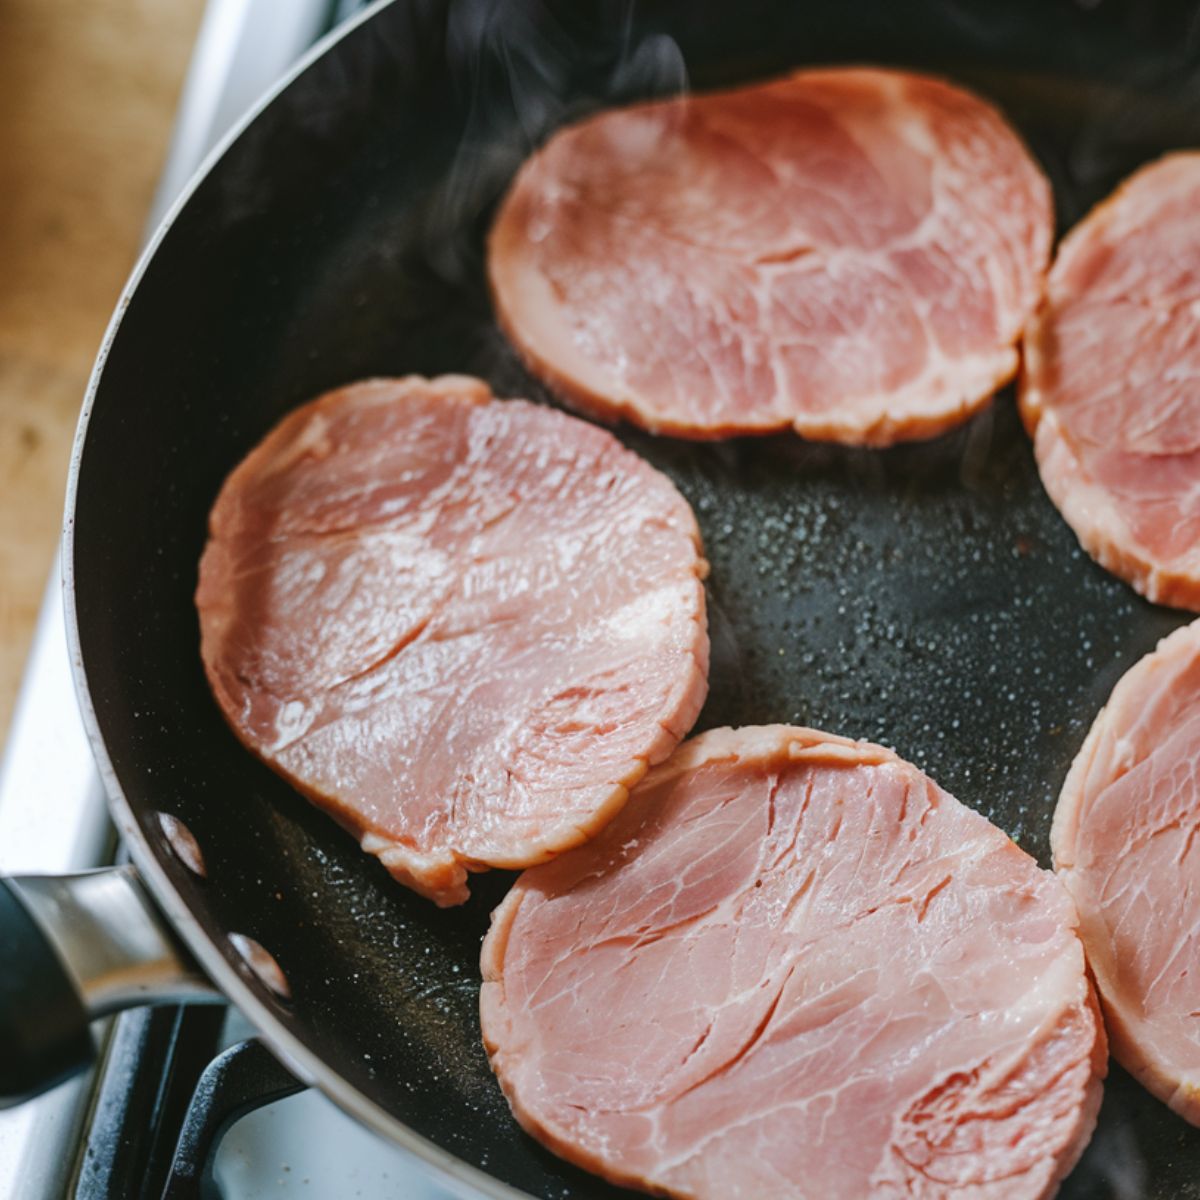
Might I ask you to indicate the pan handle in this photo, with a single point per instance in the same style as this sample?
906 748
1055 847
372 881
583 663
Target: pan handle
74 948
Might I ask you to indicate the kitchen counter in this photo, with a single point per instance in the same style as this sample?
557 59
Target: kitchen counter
88 90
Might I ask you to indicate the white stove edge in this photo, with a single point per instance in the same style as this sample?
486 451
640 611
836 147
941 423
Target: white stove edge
52 818
52 812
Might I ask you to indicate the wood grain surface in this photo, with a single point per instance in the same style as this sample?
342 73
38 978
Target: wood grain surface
88 90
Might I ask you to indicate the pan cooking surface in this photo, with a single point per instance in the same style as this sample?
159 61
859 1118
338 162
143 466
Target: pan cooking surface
928 597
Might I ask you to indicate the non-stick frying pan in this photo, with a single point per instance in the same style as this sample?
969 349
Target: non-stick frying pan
929 596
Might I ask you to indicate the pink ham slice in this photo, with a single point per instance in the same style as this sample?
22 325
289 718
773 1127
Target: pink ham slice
1125 844
1111 390
852 253
461 626
794 967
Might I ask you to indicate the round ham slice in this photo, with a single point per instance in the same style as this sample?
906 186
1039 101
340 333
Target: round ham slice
1125 844
794 967
462 626
848 252
1111 387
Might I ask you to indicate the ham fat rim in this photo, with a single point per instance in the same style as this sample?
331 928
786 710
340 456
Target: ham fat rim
851 253
795 967
1110 378
1125 845
464 627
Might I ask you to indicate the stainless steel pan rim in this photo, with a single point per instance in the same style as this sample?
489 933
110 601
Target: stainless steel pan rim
459 1178
950 549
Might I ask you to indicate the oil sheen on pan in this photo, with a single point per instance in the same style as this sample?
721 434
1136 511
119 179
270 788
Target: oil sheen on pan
793 966
462 626
851 253
1112 372
1125 844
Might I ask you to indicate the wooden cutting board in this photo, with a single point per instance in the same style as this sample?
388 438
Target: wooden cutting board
88 90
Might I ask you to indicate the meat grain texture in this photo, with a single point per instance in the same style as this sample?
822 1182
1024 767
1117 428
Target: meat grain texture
1111 385
462 626
795 967
851 253
1125 844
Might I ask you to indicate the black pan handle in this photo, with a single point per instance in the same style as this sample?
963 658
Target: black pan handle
74 948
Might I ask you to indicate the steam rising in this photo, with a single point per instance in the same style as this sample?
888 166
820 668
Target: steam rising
520 71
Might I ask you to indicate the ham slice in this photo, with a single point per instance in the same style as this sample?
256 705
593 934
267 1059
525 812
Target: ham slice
1111 389
794 967
1125 844
462 626
851 253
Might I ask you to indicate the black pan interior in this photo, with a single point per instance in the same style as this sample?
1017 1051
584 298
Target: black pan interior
928 597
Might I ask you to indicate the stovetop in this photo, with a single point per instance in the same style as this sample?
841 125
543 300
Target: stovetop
143 1124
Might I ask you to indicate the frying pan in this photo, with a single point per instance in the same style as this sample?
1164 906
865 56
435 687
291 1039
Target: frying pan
929 596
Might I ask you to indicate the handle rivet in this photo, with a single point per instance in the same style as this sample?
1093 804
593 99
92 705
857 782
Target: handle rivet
262 964
183 842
